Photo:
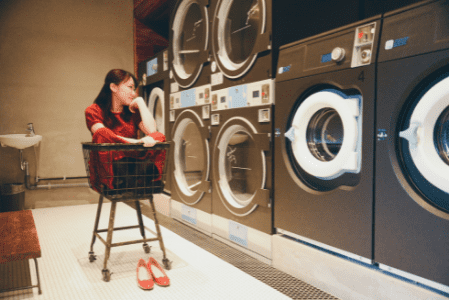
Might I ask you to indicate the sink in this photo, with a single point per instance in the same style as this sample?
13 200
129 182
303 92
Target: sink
19 141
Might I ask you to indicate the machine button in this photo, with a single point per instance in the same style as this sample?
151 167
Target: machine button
265 93
365 56
214 101
338 54
207 95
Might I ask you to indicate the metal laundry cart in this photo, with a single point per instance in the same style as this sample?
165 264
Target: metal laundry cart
125 173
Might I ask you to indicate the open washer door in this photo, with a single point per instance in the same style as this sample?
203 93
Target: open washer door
326 135
424 143
239 33
189 40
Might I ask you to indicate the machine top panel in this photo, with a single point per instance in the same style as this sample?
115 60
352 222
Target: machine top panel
348 47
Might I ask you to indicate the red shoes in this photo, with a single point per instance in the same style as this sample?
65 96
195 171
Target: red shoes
148 273
158 273
144 278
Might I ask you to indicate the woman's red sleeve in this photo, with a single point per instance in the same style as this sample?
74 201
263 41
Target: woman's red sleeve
93 115
158 136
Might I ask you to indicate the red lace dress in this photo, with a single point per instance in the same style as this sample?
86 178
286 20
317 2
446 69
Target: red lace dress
100 166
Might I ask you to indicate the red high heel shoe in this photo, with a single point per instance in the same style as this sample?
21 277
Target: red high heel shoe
158 273
144 278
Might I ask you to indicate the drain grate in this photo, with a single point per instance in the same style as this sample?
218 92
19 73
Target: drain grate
282 282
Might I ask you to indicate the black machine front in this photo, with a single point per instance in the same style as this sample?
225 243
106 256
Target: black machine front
324 124
412 183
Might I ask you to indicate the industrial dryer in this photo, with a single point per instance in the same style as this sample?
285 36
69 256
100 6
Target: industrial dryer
154 79
242 167
190 158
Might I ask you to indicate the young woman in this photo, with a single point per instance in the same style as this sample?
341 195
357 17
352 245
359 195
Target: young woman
116 117
119 115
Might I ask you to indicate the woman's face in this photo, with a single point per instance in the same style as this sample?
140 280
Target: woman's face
124 92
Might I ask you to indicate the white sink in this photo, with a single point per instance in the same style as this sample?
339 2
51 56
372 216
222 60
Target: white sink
19 141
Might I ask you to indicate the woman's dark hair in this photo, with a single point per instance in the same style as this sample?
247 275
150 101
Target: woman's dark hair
104 98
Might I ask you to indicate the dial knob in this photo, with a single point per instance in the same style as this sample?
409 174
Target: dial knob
338 54
365 56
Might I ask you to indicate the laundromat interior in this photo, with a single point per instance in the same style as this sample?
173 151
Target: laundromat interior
302 152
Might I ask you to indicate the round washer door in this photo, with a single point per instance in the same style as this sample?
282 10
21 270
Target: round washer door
156 104
239 167
326 134
238 35
189 41
190 157
427 137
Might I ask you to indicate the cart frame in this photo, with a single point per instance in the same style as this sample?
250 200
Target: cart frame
126 195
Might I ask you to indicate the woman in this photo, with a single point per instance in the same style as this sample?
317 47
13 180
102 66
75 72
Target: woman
115 117
115 112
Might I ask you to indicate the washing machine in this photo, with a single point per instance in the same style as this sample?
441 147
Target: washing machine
242 167
246 34
154 88
189 41
324 139
190 159
412 171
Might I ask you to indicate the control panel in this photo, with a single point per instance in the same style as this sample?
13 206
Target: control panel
363 45
152 67
192 97
252 94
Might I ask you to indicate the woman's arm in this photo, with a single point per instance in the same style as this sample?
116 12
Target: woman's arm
97 126
148 124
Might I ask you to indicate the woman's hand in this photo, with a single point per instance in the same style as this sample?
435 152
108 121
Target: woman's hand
148 141
134 105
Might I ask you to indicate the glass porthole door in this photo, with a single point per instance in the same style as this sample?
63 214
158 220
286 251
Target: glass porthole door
156 104
239 34
325 137
240 167
191 157
189 41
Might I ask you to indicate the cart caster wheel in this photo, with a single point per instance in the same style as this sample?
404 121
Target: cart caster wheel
106 275
92 257
146 248
167 264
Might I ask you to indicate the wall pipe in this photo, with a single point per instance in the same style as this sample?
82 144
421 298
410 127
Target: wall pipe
60 178
48 186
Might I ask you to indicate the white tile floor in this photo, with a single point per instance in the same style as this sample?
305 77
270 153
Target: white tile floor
66 273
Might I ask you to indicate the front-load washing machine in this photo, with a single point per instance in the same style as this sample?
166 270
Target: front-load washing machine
189 41
412 171
190 159
154 88
246 34
242 167
324 132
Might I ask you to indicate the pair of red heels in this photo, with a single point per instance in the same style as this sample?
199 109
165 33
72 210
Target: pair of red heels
149 273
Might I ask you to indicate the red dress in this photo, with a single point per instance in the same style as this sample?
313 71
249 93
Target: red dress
100 166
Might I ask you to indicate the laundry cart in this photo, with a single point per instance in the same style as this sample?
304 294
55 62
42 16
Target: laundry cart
125 173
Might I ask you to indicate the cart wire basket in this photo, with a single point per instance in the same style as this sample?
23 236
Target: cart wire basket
124 173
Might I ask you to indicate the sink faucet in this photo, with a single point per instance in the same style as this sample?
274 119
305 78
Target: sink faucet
30 129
